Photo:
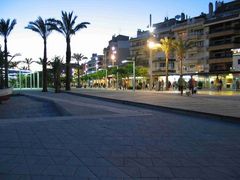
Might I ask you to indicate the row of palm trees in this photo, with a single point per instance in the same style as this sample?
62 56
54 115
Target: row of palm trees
67 26
179 46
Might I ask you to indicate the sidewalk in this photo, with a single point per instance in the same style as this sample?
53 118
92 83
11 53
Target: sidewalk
223 104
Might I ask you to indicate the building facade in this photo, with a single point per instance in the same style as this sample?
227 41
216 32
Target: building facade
116 51
96 63
211 36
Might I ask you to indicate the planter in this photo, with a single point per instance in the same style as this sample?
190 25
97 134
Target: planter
5 94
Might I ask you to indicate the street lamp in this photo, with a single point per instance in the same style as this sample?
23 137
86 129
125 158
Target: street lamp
134 73
113 58
152 46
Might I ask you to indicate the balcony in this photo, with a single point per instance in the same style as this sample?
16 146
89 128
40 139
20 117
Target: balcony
223 32
195 49
195 36
223 46
213 60
140 47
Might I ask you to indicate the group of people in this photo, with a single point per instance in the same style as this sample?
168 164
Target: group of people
191 85
218 84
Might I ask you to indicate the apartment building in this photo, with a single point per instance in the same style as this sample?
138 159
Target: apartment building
193 32
162 30
116 51
95 63
212 36
138 48
224 35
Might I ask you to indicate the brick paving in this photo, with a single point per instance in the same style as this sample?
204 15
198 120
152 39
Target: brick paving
121 142
210 102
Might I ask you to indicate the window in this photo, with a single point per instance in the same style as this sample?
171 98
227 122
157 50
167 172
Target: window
238 61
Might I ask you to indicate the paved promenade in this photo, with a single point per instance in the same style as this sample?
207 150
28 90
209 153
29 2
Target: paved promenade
103 140
226 103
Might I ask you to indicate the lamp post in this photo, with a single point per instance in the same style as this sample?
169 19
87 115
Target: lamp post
113 58
134 73
152 46
106 79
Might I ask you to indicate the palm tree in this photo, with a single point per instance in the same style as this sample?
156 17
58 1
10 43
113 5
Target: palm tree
68 28
40 62
13 64
78 58
166 45
28 62
5 29
56 66
43 28
1 69
180 48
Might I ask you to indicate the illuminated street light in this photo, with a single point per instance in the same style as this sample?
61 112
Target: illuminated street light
113 58
134 73
152 46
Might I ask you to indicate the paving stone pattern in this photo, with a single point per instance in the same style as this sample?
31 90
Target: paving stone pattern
149 145
21 107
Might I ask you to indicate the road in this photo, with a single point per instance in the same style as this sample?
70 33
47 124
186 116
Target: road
103 140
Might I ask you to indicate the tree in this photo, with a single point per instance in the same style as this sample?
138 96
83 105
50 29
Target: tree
141 71
166 45
28 62
43 28
5 29
13 64
56 67
67 27
78 58
1 69
180 48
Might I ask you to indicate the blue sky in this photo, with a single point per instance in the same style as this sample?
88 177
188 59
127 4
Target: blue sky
107 17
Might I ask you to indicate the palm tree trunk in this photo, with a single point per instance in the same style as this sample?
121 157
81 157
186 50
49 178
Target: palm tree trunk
45 67
1 72
6 62
78 71
181 70
166 72
68 59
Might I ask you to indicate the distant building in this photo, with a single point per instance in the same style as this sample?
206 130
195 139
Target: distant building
95 63
116 51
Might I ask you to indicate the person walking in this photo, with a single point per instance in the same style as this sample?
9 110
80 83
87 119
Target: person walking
191 85
181 83
220 85
237 85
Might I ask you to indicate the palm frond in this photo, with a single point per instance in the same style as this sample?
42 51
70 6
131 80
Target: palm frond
40 26
7 26
81 26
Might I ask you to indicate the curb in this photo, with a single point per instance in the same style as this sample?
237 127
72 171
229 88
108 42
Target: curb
162 108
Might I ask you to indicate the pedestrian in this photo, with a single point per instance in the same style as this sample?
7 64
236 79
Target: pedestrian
212 85
191 85
169 84
181 83
217 84
174 85
237 85
162 85
220 84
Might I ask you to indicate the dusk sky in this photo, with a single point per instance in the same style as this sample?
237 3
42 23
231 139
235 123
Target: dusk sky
107 17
